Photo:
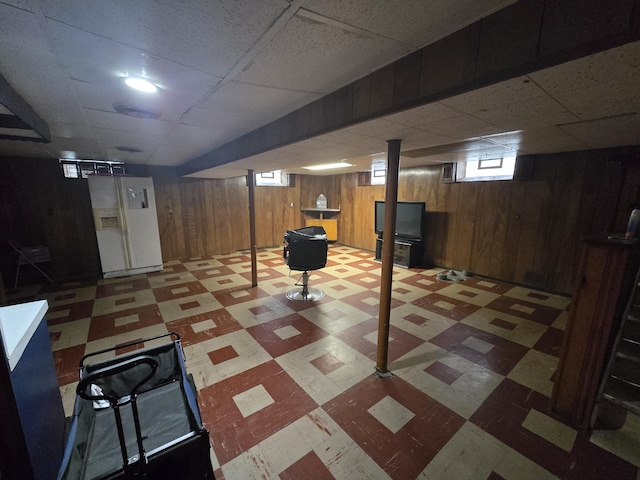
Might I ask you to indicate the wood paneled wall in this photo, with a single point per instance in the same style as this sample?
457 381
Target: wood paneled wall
199 217
526 231
38 206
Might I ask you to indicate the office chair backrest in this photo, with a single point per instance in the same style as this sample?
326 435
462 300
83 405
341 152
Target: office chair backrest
306 248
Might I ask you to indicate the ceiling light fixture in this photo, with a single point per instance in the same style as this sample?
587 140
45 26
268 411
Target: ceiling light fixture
141 84
329 166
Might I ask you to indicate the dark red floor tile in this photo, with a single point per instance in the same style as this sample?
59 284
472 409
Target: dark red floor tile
405 453
126 285
223 354
231 433
443 372
372 307
326 363
309 467
400 341
501 358
212 272
231 296
418 280
498 322
235 259
502 415
168 269
164 294
104 326
550 342
513 306
488 285
265 334
222 322
66 362
459 310
76 311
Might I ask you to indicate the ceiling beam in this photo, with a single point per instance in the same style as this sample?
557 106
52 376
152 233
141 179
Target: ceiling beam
22 122
522 38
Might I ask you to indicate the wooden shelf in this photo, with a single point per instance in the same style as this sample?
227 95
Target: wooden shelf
330 225
321 211
332 210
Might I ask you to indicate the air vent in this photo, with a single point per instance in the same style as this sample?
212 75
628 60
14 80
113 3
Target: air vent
129 149
137 112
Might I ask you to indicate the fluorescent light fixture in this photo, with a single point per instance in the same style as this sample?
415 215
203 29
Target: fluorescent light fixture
141 84
329 166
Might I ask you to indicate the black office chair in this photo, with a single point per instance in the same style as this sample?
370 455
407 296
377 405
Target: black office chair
305 250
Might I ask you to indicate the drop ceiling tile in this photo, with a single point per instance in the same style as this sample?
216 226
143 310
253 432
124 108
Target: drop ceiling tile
379 128
199 138
28 65
113 154
548 140
21 4
462 127
116 121
342 137
171 156
123 137
538 122
416 23
538 111
98 66
371 145
417 117
313 57
256 100
100 98
605 133
426 139
85 148
601 100
210 118
211 40
622 64
504 93
410 134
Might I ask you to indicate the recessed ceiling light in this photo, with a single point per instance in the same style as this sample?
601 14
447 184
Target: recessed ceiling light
329 166
141 84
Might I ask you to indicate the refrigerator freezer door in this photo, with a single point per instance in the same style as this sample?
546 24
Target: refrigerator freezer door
126 225
111 244
141 222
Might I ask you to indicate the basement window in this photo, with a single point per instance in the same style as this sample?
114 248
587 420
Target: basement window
486 169
378 174
275 178
84 168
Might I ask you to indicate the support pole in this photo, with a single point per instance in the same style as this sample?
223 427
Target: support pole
390 200
252 228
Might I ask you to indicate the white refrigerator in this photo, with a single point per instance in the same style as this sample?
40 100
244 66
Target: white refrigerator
124 213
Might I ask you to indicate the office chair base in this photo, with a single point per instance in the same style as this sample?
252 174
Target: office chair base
310 295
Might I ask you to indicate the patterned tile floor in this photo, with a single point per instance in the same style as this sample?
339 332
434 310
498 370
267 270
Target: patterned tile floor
286 387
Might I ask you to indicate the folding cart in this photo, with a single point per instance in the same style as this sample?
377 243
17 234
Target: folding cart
136 416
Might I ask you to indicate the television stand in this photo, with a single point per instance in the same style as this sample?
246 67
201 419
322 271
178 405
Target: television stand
406 252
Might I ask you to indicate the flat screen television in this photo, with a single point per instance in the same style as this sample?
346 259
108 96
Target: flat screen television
409 219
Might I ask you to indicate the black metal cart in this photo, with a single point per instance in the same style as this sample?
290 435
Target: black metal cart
137 416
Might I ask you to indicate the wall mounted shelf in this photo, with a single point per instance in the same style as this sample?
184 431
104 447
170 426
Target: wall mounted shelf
330 225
